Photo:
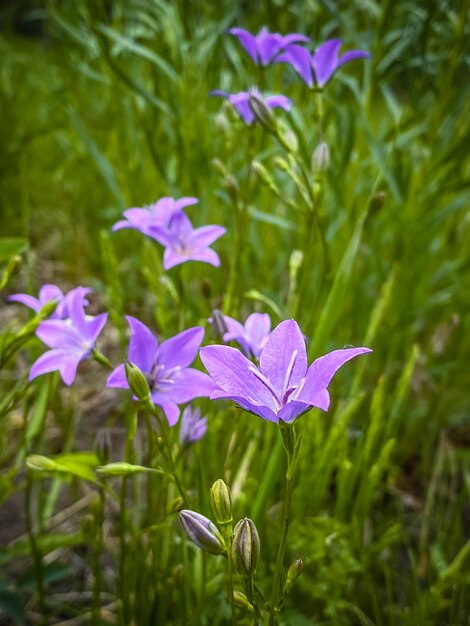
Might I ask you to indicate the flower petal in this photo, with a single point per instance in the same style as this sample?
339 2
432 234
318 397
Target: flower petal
95 326
187 384
292 410
204 236
171 410
322 370
48 293
257 409
118 378
205 256
325 60
172 258
247 40
143 345
29 301
300 60
277 356
180 350
50 361
278 102
68 368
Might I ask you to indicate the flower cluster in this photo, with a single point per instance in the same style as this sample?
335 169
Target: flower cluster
166 222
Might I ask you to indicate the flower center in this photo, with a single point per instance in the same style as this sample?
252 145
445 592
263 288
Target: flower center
161 378
283 398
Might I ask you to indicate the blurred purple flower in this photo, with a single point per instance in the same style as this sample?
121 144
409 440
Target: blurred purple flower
317 68
193 426
264 46
70 340
166 367
241 102
252 336
184 243
47 293
283 387
157 216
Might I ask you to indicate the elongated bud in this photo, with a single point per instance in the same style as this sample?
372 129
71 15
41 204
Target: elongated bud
137 382
264 176
245 547
241 601
121 468
295 569
221 501
262 113
321 158
290 141
202 532
40 463
218 325
103 445
12 269
295 263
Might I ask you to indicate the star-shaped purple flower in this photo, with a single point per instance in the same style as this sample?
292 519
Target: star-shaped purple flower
70 340
242 104
252 336
193 426
317 68
284 386
264 46
184 243
166 366
48 293
151 220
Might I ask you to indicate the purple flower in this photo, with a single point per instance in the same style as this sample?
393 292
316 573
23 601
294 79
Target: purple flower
153 219
48 293
241 102
253 336
70 340
284 386
184 243
264 46
166 367
193 426
319 67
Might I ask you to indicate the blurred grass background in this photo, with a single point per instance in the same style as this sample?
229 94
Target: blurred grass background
105 106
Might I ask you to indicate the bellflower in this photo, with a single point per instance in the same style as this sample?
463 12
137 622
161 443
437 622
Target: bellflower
154 218
193 426
264 46
241 102
252 336
184 243
317 68
48 293
283 387
166 367
70 340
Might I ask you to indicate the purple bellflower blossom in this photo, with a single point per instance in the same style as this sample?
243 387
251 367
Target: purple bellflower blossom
193 426
184 243
316 69
284 386
166 367
264 46
242 104
71 340
252 336
154 218
46 294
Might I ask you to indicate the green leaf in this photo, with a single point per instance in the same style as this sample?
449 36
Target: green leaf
9 246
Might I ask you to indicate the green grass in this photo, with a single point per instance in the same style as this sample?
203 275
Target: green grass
111 110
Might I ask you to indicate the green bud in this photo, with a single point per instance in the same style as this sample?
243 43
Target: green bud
40 463
245 547
321 158
202 531
295 262
12 269
120 468
137 382
295 569
241 601
262 113
290 141
221 501
103 445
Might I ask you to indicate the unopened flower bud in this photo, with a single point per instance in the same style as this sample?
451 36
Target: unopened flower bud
290 141
12 269
137 382
218 325
241 601
295 569
321 158
40 463
202 532
103 445
221 500
245 547
264 176
295 262
121 468
231 185
262 113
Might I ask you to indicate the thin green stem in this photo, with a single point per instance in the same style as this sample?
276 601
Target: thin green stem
98 549
35 551
101 359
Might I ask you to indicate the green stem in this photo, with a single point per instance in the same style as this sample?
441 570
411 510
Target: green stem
97 579
227 532
35 551
101 359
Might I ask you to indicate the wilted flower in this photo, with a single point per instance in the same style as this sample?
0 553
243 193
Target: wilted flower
253 336
317 68
184 243
264 46
152 219
50 293
202 532
193 426
241 101
283 387
245 547
71 340
166 366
